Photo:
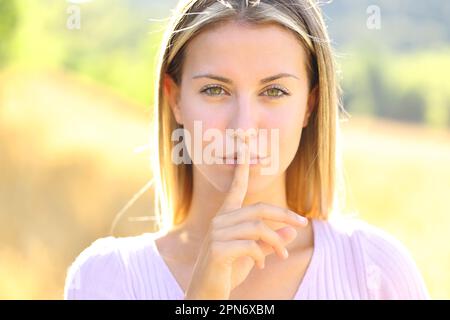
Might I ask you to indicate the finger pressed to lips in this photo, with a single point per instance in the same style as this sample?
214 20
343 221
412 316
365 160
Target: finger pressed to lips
238 189
236 195
233 222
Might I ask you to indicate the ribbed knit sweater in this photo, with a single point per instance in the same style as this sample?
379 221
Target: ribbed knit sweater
351 260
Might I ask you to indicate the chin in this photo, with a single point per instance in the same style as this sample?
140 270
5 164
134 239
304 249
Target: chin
220 177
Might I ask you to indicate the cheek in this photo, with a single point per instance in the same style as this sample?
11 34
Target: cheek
288 120
203 123
194 108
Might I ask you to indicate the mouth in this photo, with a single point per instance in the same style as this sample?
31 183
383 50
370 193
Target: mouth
253 160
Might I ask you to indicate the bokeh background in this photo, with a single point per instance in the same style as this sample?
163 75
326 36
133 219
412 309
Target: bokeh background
75 108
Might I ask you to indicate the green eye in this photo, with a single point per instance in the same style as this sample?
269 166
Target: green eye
276 92
272 92
213 91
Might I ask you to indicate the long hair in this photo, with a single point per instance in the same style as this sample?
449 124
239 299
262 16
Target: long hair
314 176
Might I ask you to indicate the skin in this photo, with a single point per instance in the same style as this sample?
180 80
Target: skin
243 103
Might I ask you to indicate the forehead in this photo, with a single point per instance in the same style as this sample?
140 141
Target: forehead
234 47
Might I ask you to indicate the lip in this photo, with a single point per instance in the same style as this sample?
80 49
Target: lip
253 161
235 155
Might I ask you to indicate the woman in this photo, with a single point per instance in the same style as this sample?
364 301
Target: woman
230 70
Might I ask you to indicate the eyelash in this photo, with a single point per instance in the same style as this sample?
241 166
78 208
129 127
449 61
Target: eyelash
284 91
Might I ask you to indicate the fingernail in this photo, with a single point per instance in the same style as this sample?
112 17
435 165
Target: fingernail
300 218
285 253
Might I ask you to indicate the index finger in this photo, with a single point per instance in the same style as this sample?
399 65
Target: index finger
238 188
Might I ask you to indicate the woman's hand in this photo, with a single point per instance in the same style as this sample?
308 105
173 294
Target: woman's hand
237 238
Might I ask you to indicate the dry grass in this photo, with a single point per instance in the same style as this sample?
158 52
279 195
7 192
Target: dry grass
67 167
398 178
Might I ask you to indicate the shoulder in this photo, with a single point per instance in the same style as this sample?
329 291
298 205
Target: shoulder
389 268
103 270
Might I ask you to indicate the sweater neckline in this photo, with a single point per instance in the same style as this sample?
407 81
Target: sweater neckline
310 270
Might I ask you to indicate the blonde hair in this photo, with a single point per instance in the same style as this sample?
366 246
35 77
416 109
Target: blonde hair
312 177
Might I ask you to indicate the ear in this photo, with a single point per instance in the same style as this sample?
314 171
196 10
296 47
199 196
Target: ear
313 100
172 93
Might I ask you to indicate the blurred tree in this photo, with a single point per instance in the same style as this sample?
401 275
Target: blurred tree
8 23
405 106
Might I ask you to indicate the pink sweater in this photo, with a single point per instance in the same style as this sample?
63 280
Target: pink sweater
351 260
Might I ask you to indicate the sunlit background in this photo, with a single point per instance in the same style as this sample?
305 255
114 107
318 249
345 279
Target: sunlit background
75 106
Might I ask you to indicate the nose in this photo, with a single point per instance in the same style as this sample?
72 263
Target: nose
244 122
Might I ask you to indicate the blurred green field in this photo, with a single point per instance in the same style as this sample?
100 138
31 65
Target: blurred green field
407 86
68 165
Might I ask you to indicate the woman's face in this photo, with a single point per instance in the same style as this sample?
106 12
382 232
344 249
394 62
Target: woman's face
247 77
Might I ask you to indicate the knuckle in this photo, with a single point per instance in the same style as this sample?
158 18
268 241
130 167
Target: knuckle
258 225
279 238
260 205
276 238
255 245
250 244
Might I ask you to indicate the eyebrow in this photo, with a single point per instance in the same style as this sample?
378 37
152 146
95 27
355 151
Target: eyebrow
262 81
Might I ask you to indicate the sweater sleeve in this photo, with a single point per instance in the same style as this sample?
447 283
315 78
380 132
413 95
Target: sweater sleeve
97 273
391 272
